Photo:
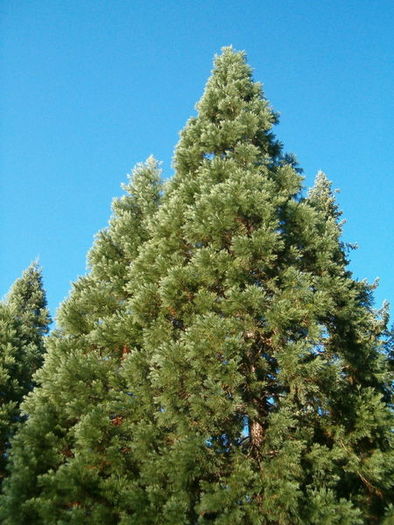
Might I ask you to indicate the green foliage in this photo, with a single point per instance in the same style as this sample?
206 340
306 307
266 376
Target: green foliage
218 364
65 451
24 320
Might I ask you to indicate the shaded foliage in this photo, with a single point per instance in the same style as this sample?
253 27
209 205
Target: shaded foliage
24 321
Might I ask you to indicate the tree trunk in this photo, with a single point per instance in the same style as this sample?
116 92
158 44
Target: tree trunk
256 434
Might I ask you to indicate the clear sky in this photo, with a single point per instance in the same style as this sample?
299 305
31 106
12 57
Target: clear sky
91 87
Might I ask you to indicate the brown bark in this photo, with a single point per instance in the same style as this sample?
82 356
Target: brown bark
256 434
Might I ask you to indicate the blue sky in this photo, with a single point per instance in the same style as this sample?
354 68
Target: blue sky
89 88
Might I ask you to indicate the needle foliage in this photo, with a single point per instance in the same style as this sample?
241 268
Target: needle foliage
24 321
219 364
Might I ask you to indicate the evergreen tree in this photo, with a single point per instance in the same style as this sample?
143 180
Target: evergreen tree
73 428
219 364
24 321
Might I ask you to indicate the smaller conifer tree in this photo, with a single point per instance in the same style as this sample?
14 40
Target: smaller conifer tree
77 444
24 321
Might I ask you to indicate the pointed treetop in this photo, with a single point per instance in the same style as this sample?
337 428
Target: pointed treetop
27 297
27 290
234 119
231 77
144 184
131 213
322 197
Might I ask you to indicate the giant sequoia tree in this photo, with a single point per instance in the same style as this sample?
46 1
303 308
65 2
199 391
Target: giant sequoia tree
218 364
24 320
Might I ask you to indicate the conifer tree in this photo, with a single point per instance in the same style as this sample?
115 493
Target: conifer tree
24 321
221 365
73 422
